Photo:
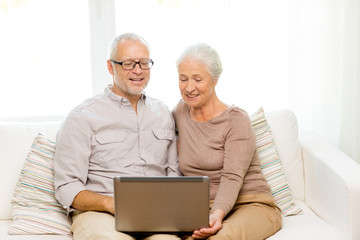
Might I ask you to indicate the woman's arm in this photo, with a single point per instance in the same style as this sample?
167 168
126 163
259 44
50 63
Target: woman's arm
239 149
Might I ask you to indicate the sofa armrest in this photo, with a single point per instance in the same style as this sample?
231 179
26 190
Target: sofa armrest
332 184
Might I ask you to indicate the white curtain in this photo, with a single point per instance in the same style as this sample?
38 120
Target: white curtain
298 54
323 69
350 98
303 55
102 30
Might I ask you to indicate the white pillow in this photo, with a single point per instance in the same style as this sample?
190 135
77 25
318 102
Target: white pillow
35 208
271 165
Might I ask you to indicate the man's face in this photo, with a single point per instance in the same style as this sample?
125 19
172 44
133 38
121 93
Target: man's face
129 83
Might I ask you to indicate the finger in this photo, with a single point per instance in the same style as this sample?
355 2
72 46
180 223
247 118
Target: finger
211 224
207 231
210 231
200 236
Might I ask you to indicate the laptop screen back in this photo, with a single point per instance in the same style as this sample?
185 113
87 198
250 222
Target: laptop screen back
161 204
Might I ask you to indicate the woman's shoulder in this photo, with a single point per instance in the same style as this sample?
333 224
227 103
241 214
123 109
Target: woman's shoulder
180 107
240 122
238 113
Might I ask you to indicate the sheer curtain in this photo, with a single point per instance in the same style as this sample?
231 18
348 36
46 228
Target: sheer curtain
323 69
44 57
297 54
350 98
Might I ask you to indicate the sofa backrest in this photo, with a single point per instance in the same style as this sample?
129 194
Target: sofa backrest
17 137
284 129
15 141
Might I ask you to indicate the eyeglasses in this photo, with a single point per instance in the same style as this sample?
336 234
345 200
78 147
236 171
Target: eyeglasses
130 64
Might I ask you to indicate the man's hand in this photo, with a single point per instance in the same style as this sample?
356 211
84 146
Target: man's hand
91 201
216 218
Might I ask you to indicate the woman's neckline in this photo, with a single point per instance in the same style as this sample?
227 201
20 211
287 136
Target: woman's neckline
228 107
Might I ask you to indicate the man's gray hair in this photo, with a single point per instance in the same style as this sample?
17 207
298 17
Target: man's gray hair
207 55
125 36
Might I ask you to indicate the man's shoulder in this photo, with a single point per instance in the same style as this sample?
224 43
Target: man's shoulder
159 113
88 103
156 103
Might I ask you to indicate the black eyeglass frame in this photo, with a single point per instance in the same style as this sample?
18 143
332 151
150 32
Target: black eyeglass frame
135 62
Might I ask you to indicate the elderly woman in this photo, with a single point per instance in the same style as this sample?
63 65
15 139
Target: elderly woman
217 140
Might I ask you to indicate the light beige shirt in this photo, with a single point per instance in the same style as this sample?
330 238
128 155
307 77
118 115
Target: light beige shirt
104 137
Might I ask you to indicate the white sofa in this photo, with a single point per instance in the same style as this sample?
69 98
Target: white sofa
324 181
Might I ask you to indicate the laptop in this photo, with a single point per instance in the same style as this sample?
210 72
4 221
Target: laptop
161 204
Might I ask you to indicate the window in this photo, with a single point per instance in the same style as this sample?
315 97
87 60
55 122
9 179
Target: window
45 51
45 57
169 26
250 37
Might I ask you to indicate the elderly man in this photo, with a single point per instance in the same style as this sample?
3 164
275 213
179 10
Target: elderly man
122 132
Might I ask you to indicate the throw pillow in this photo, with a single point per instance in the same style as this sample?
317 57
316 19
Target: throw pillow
35 208
271 165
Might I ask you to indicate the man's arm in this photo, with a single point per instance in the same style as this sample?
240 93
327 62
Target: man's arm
173 161
71 159
91 201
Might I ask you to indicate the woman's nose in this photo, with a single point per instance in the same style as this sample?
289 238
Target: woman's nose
190 86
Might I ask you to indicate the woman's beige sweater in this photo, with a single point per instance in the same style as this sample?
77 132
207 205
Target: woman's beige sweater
222 149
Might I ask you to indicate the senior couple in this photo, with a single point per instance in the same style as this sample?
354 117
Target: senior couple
112 134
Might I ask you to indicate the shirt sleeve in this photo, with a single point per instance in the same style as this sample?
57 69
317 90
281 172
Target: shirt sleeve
238 154
71 160
173 160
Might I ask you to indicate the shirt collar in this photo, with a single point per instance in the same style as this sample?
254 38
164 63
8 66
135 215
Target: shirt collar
119 99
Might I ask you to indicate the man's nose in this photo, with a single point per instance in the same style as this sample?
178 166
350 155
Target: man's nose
137 68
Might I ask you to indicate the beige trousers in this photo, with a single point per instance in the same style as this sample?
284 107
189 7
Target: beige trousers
253 217
99 225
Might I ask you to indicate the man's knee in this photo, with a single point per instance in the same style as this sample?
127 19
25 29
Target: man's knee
96 225
163 237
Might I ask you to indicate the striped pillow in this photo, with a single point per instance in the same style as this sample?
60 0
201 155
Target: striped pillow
35 208
271 165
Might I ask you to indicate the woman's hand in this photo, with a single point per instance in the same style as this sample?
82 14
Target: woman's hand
216 218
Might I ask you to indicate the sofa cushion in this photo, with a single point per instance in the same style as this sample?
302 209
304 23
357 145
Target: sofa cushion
15 142
5 224
36 210
271 165
285 133
306 226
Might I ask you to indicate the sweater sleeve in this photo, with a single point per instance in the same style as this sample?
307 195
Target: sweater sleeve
238 154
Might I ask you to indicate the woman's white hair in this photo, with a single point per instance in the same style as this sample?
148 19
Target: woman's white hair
205 54
125 36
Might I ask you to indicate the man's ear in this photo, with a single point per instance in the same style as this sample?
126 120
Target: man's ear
110 67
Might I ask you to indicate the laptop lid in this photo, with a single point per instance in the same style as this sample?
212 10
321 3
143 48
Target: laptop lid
161 204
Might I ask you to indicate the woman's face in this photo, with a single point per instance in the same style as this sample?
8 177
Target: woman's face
196 85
